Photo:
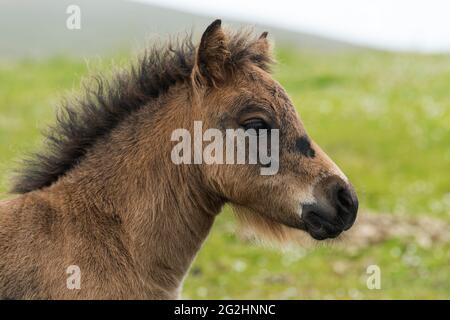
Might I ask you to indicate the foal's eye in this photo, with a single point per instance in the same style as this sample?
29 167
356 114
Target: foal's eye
255 124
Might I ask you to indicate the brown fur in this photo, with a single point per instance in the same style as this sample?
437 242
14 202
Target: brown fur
109 199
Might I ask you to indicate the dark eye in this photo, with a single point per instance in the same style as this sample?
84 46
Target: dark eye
255 124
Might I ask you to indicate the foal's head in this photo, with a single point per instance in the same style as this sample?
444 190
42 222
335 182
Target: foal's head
225 83
235 89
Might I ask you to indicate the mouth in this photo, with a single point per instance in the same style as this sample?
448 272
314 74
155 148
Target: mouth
321 229
314 221
325 223
333 211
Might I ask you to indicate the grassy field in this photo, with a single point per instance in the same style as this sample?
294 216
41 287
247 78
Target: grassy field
384 118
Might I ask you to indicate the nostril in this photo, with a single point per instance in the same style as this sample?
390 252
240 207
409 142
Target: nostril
344 198
347 204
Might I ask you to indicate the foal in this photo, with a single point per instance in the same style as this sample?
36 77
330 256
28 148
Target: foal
106 197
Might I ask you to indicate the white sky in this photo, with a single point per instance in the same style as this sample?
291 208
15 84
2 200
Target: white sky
422 25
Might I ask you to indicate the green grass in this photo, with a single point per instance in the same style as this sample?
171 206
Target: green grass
384 118
226 268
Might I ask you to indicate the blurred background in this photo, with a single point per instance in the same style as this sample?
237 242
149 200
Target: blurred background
371 81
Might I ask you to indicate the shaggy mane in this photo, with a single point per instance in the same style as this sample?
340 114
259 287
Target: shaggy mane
83 121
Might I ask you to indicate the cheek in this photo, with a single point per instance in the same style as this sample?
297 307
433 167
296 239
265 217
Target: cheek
299 174
303 169
279 198
235 182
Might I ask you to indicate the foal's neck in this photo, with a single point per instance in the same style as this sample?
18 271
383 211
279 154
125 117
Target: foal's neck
165 210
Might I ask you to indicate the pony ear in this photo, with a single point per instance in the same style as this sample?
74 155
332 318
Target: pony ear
212 54
262 52
263 45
